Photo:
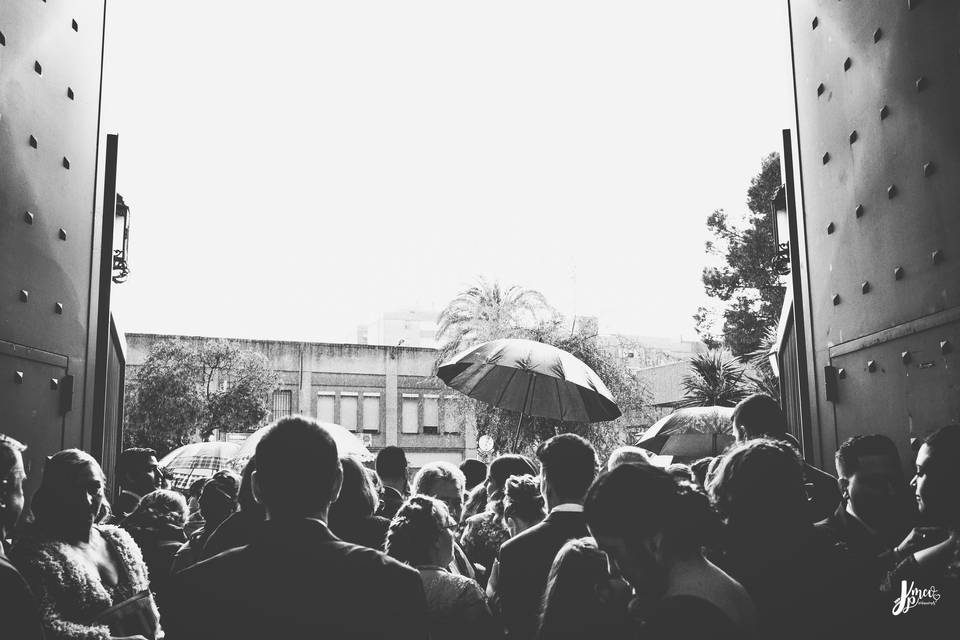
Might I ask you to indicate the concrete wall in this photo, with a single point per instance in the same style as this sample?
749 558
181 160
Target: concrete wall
309 369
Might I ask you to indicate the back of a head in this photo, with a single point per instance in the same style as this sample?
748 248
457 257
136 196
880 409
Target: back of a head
571 602
509 464
853 449
475 472
157 509
759 486
635 502
132 461
298 469
357 498
569 465
433 472
627 455
391 463
416 528
758 416
522 499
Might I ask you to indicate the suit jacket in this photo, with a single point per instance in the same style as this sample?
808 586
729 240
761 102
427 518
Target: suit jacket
19 614
525 562
297 580
390 503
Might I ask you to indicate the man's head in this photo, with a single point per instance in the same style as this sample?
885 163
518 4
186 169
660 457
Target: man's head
392 467
443 481
298 470
218 499
475 472
138 471
568 466
758 416
12 475
870 478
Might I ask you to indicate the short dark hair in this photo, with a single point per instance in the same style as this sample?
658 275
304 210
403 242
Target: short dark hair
757 416
849 454
392 462
358 498
569 465
132 460
944 444
634 502
297 467
509 464
475 471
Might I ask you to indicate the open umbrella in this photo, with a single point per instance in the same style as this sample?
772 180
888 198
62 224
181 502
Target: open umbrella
531 378
348 444
197 460
690 433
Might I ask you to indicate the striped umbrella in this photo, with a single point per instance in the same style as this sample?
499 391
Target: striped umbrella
197 460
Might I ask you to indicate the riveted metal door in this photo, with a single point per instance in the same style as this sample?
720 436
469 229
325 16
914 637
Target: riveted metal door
50 74
877 95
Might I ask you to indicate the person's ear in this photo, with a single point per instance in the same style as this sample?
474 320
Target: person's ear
337 483
844 485
255 488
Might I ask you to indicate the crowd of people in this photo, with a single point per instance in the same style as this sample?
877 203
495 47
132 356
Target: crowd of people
750 544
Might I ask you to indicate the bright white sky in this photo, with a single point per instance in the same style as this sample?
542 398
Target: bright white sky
296 168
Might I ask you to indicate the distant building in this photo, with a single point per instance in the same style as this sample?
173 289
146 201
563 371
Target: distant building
386 394
401 328
641 352
663 383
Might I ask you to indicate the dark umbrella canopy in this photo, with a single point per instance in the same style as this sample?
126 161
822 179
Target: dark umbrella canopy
532 378
690 433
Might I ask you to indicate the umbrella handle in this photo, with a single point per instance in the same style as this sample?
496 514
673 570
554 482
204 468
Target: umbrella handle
516 436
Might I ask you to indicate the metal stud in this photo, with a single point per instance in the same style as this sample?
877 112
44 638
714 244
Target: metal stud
911 4
946 347
58 308
54 383
24 295
892 191
905 357
820 89
66 163
936 257
18 377
853 136
75 26
826 158
841 373
831 228
33 141
836 299
62 233
815 23
922 83
884 112
28 217
70 93
865 287
858 211
3 39
847 64
877 35
37 68
928 169
871 365
898 273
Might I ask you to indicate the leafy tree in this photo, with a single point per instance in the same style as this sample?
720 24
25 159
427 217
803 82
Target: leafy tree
534 319
487 311
748 284
714 380
185 391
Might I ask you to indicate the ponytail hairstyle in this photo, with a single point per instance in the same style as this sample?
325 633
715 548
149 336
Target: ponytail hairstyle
417 526
500 470
159 508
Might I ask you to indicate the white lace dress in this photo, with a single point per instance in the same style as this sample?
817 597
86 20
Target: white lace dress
456 606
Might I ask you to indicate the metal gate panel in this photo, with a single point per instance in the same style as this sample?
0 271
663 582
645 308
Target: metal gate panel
50 75
877 92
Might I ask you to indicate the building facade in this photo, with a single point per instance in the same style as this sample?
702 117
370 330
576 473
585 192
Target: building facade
410 328
387 395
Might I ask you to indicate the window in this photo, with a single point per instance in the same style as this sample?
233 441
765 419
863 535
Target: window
282 403
410 414
371 412
431 414
326 402
451 422
348 410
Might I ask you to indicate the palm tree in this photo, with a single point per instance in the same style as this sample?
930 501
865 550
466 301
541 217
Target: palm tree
488 311
713 381
765 381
